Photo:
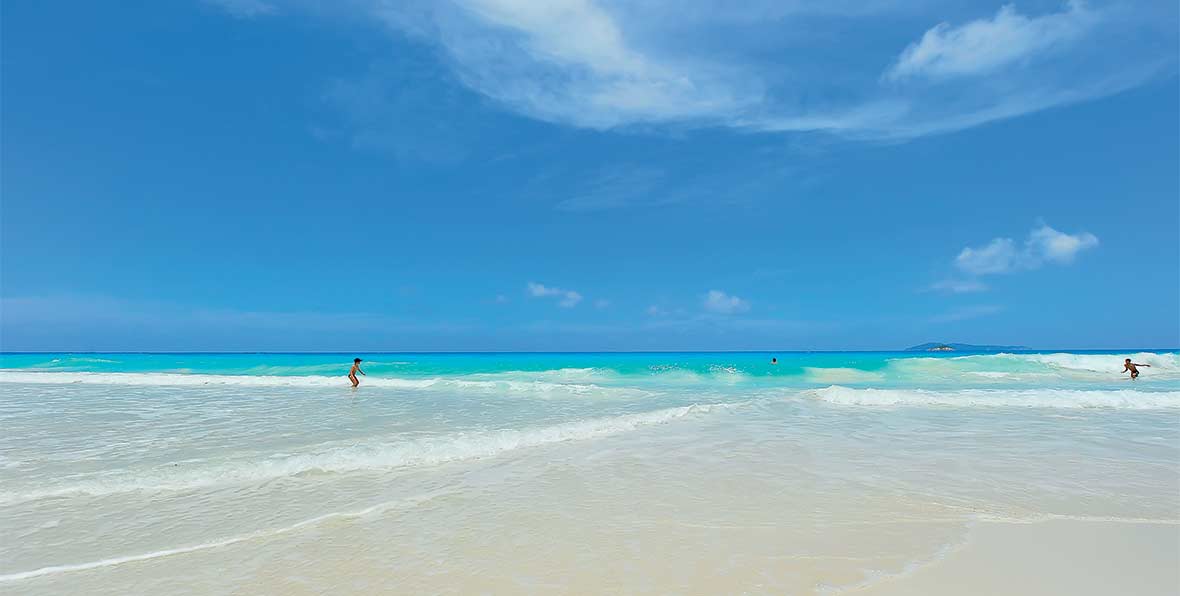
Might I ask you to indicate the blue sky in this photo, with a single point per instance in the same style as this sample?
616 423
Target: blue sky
588 175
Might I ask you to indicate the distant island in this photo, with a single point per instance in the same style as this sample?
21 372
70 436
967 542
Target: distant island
940 347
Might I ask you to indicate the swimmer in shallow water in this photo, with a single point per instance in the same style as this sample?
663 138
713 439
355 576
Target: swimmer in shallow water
1130 366
356 368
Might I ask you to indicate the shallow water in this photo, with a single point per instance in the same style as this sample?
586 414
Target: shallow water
538 472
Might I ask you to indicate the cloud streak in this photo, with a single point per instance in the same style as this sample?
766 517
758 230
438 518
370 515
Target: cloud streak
603 64
986 45
566 298
884 70
959 286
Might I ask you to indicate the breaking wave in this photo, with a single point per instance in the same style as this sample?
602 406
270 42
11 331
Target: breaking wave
488 383
1032 367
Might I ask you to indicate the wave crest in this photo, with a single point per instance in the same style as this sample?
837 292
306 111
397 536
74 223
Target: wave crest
474 383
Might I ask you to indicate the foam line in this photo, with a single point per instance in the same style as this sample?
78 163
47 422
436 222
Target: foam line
54 569
366 456
1030 398
470 384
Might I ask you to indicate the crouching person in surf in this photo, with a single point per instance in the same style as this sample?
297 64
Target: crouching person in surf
1130 366
356 368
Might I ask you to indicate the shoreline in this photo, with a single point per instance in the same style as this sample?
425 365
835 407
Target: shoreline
648 475
1044 557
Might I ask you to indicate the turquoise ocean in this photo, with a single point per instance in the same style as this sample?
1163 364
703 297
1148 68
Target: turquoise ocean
208 473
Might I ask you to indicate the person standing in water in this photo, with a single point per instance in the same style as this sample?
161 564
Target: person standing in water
1130 366
356 368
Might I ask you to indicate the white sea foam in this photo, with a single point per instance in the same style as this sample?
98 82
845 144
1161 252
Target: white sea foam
474 383
360 457
674 375
840 375
1033 398
114 561
553 374
1164 362
1038 518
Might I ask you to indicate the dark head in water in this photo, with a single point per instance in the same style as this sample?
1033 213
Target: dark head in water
356 359
774 360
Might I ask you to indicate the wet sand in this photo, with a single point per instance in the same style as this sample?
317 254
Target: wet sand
1066 557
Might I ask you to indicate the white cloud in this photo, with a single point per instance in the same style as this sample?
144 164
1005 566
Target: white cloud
568 298
999 256
985 45
794 65
603 64
1058 247
722 303
245 9
1043 245
571 61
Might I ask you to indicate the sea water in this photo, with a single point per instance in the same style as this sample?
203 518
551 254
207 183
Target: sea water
454 473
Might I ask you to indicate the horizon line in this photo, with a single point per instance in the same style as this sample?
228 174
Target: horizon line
481 352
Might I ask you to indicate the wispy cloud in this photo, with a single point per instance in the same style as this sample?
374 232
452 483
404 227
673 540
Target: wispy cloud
599 64
402 106
688 178
959 286
572 60
566 298
1043 245
719 302
619 187
985 45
